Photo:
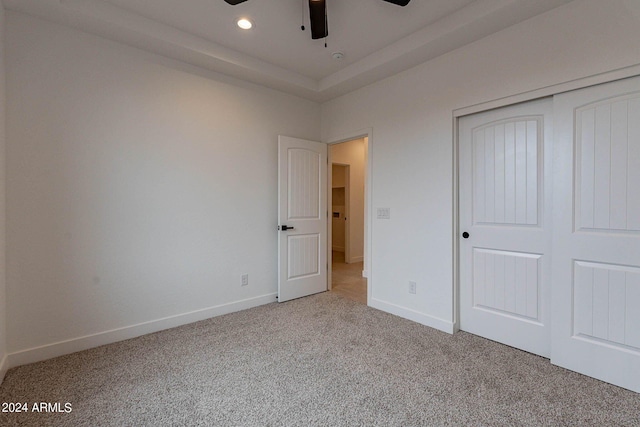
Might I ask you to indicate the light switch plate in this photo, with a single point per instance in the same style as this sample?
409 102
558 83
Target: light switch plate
384 213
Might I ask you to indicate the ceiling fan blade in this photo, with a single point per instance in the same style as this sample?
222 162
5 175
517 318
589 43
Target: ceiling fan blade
398 2
318 19
235 2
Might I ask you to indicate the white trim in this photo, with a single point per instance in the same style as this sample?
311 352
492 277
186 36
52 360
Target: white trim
606 77
4 367
329 218
368 217
456 228
86 342
424 319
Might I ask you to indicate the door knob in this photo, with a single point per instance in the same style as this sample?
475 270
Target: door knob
465 235
286 227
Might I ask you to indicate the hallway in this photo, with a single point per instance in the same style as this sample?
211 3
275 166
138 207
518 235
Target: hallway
347 280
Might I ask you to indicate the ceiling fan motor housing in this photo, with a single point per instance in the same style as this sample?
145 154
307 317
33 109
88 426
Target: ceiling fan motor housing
318 15
318 19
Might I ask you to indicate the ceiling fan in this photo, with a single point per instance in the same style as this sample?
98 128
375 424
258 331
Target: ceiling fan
318 15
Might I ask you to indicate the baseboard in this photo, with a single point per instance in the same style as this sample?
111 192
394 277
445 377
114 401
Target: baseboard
337 248
61 348
4 367
416 316
355 259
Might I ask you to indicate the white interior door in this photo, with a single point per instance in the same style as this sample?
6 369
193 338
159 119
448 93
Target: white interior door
505 193
302 217
596 268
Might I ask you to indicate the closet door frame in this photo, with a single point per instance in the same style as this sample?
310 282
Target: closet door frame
465 110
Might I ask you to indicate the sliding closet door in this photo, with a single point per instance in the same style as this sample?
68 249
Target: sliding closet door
596 243
505 192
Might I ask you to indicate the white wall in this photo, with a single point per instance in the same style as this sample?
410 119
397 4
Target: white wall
352 153
139 188
3 296
412 144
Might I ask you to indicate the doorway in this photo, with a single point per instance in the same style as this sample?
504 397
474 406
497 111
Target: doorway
347 218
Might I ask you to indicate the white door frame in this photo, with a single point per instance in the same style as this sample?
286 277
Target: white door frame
457 113
368 134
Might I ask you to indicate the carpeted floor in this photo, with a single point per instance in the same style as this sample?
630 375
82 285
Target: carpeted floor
321 360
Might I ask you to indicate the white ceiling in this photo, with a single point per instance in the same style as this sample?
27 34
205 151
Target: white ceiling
356 27
378 38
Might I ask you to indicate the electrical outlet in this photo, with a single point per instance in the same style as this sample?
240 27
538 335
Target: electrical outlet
412 287
245 279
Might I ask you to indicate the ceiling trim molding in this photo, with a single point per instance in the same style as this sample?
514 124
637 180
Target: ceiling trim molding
556 89
466 25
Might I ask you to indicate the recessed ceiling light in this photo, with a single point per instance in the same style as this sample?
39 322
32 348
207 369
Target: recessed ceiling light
245 23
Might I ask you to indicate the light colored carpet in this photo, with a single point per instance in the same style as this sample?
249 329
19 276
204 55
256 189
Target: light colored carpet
321 360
